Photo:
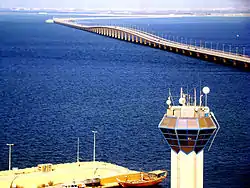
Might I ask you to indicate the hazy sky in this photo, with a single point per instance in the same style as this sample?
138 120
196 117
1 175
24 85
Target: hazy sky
125 4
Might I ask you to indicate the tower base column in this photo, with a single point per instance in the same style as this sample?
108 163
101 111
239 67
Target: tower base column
186 170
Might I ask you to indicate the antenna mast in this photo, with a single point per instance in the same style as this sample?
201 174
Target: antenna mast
194 96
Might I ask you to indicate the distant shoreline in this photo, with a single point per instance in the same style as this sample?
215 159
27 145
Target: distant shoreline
128 15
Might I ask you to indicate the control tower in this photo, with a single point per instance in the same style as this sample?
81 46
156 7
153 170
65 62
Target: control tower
187 128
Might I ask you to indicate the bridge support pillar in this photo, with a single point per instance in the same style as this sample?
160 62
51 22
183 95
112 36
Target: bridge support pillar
154 44
149 43
159 45
145 42
125 36
113 33
136 39
122 35
133 38
177 50
128 36
119 34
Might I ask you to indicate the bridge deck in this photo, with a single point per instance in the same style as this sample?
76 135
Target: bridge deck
202 53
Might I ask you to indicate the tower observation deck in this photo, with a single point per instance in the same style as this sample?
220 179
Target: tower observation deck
187 129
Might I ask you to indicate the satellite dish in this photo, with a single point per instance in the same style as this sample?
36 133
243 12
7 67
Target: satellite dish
182 101
206 110
168 102
206 90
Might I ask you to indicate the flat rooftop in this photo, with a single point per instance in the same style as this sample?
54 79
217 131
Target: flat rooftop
60 173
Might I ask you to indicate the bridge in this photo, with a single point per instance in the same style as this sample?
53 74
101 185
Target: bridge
154 41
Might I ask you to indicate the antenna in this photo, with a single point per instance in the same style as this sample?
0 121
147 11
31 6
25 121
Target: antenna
171 97
181 100
200 94
194 96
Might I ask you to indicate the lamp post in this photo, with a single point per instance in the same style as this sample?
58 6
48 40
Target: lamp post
10 145
190 42
223 47
244 50
94 146
78 148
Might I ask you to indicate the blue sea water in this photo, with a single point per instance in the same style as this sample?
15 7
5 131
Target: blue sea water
58 83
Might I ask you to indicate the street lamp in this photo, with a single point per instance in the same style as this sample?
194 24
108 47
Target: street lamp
244 50
223 47
94 146
10 145
78 148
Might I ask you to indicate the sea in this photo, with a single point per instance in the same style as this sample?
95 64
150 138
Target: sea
58 84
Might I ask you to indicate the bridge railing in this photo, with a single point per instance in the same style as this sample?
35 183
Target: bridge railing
189 45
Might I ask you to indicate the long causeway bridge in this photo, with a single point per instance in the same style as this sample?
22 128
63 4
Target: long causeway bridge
147 39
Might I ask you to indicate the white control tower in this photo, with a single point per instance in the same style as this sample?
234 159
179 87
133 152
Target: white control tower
187 128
